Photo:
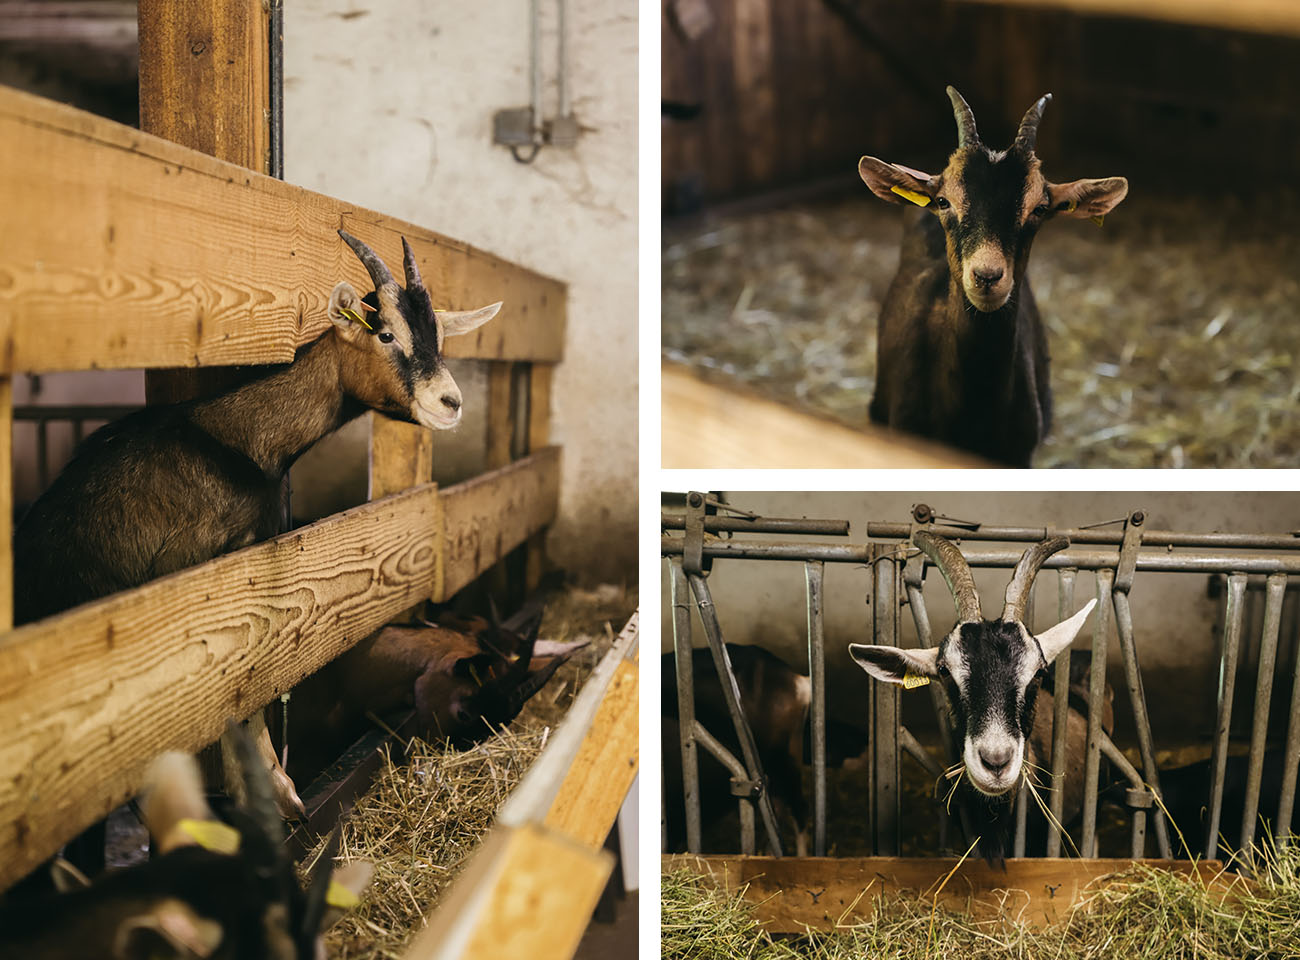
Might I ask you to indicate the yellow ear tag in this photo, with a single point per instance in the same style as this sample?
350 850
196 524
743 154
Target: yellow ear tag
1074 205
211 835
913 680
920 199
1098 220
340 896
356 318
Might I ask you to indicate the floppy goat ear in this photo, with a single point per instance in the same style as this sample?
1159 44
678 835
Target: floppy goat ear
457 322
894 664
176 810
1055 639
896 183
347 312
1087 198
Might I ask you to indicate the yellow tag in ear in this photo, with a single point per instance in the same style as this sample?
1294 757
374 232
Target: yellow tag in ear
913 680
1098 220
356 318
210 835
920 199
341 897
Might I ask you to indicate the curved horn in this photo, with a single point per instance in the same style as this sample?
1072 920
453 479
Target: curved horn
379 273
1027 135
412 271
966 135
314 905
1031 561
955 571
524 691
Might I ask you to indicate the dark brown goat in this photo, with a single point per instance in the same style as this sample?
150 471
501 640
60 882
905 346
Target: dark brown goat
962 354
214 892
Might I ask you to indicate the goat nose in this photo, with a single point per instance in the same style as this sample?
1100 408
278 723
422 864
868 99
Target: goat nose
987 276
995 760
451 402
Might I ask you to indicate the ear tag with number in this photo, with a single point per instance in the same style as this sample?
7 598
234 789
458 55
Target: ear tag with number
913 680
1098 220
340 896
210 834
356 318
920 199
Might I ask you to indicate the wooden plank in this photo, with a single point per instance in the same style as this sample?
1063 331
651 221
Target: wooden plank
710 426
487 517
793 893
601 774
526 892
500 414
540 378
125 250
1268 16
401 456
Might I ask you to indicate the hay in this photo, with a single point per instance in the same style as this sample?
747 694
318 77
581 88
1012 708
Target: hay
1144 912
429 807
1172 329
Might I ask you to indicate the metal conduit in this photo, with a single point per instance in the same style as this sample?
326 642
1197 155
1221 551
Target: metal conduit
1227 679
1060 714
814 578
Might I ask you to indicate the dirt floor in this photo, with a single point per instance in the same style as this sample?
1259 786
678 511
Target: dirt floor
1173 329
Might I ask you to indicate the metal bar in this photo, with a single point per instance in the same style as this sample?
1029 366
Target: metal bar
1227 679
1155 561
276 83
1096 692
1290 763
1022 818
562 80
922 756
683 657
738 772
1093 535
814 574
1060 713
535 86
1275 595
1141 719
883 697
729 524
1130 773
78 431
731 693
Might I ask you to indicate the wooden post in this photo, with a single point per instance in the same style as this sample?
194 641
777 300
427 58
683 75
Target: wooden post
205 83
500 434
540 376
401 456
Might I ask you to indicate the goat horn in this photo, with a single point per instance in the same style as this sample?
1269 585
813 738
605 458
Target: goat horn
313 911
955 571
379 272
532 683
412 271
966 135
259 796
1027 136
1017 600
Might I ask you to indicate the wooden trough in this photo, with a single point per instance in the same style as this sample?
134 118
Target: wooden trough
125 250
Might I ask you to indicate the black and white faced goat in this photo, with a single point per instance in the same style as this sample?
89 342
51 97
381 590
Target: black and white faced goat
962 354
991 670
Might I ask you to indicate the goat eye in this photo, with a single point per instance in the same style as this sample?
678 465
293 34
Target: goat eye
1041 210
386 337
941 203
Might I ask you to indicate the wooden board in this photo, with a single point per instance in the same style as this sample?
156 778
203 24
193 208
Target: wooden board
540 378
526 892
401 455
487 517
88 697
124 250
1267 16
820 892
710 426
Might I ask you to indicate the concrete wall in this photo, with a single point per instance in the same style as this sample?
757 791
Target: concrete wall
1174 619
391 105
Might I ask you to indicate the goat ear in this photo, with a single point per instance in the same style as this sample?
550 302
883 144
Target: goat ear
894 664
174 801
1055 639
66 877
169 929
347 883
1087 198
346 310
456 322
895 183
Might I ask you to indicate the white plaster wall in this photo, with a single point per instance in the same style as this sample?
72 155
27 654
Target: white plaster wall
390 105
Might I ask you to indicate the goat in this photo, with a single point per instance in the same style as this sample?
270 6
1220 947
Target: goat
991 671
962 354
215 892
174 485
465 680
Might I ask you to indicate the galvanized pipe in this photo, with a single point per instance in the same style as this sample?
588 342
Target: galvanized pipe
1227 679
738 772
562 54
729 524
814 574
683 658
1290 763
883 698
1022 820
1134 778
911 745
1096 693
938 698
1094 535
1275 594
1060 713
731 693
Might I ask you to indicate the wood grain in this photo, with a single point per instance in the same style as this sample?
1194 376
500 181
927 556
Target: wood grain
125 250
707 425
487 517
603 770
1268 16
526 892
794 892
401 455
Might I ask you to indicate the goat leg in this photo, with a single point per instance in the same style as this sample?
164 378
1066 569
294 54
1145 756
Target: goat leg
287 800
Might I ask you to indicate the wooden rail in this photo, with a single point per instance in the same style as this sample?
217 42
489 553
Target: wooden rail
126 250
1267 16
89 696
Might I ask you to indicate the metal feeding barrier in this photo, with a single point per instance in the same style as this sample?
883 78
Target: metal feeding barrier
1115 551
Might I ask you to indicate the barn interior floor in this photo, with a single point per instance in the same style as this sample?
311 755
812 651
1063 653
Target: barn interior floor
1172 329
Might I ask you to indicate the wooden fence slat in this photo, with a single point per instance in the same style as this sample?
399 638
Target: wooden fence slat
1269 16
88 697
540 378
401 455
125 250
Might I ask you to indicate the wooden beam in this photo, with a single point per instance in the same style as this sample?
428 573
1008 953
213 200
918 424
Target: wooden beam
1266 16
793 893
526 892
540 378
89 697
125 250
401 455
487 517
